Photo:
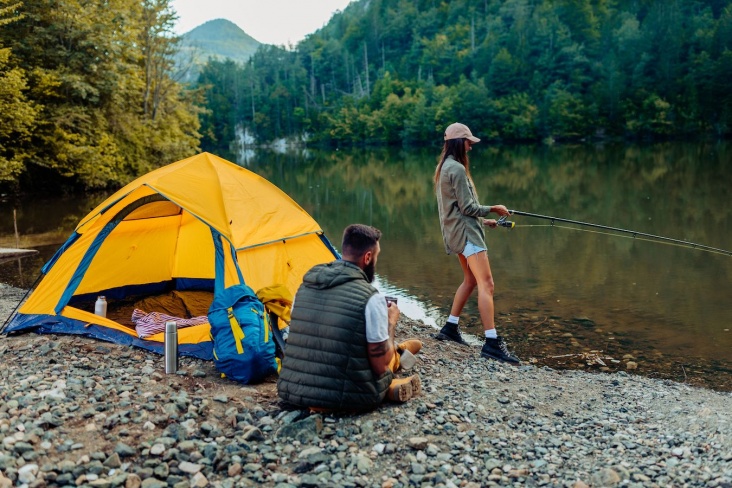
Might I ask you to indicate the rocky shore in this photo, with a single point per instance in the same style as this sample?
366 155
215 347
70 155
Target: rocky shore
80 412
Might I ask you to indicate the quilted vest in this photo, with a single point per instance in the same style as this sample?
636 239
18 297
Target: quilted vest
326 362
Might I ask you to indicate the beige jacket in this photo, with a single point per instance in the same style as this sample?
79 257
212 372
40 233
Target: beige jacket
460 211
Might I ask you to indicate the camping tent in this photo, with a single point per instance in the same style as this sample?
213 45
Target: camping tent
155 235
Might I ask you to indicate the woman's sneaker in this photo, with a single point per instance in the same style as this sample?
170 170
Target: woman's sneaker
450 332
497 349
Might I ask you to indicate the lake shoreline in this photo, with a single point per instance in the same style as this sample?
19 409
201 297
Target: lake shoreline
77 410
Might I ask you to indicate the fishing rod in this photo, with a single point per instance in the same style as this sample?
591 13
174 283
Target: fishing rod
510 225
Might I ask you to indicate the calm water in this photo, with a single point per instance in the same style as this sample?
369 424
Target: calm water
676 299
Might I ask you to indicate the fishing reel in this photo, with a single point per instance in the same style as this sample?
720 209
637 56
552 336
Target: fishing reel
502 222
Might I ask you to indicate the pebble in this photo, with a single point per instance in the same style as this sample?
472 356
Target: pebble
488 425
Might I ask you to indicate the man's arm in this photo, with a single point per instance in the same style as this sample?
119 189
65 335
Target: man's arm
381 354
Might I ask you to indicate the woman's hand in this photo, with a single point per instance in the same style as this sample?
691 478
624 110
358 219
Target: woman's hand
500 210
490 223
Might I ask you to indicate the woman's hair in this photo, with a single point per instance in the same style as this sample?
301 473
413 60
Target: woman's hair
456 149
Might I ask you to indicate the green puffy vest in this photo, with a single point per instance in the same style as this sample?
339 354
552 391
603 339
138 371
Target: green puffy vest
326 362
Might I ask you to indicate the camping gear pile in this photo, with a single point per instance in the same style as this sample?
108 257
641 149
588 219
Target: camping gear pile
201 225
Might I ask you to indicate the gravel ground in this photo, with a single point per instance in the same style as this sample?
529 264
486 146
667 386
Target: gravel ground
80 412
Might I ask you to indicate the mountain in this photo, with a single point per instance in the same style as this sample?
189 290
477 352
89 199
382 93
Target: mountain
219 39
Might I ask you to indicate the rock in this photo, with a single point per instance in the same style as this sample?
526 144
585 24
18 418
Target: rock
417 468
189 468
199 481
234 470
113 461
364 464
27 473
124 451
417 442
157 449
605 478
302 430
251 433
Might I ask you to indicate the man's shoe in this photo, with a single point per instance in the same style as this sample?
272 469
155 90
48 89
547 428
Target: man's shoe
497 349
411 345
416 385
402 389
450 332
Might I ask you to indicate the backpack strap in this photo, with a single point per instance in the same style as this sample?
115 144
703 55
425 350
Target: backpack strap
219 278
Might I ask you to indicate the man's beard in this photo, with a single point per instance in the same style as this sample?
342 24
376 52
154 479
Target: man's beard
370 271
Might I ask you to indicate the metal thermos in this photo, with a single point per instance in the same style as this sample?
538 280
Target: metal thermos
171 347
100 306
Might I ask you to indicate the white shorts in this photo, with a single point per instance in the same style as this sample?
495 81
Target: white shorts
471 249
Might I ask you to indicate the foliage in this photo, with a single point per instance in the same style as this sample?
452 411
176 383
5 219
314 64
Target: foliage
398 71
100 104
17 117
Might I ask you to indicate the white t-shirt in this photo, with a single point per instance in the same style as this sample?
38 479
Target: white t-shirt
377 319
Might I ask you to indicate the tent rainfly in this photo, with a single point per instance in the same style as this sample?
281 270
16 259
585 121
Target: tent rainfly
155 235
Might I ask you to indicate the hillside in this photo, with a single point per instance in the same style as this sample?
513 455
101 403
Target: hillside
384 72
219 39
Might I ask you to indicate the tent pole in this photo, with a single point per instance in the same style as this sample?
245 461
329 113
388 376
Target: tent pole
17 306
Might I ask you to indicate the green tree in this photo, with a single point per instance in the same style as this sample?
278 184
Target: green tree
17 116
97 124
512 69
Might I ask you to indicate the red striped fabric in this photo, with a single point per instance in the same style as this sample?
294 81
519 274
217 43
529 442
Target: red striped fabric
147 324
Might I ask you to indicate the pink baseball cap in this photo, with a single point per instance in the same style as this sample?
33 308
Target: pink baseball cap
459 131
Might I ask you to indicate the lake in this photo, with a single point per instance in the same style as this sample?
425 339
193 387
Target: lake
566 296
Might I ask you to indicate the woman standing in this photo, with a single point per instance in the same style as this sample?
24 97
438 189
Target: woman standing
462 220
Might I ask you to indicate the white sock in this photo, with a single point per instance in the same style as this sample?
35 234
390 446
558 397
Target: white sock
491 334
453 319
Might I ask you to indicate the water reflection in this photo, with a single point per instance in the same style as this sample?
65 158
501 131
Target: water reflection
676 295
673 298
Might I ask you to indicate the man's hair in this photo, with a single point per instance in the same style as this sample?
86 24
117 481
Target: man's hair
358 239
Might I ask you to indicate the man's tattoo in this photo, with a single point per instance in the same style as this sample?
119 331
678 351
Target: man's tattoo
378 350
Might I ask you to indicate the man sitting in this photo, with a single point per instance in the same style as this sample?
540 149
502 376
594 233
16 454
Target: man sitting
340 351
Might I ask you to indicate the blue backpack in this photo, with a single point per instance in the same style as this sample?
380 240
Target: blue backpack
243 347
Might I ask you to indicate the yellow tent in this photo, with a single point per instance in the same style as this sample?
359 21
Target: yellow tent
155 235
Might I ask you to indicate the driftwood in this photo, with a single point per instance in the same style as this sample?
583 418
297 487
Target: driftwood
592 357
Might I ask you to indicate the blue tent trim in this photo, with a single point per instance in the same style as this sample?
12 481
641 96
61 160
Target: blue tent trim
55 324
72 239
180 284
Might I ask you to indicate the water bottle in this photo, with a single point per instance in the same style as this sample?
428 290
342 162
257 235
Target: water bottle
100 306
171 347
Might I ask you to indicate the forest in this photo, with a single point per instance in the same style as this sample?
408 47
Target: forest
90 94
399 71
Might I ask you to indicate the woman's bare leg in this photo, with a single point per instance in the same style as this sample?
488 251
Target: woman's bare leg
480 269
464 290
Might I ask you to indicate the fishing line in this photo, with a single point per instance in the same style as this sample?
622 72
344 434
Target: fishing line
684 246
502 222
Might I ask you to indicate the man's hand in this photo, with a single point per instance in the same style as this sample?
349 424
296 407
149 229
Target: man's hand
500 210
490 223
393 311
